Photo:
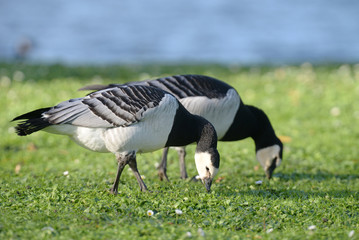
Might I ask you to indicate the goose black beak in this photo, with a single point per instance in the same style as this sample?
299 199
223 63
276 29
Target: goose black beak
207 183
269 171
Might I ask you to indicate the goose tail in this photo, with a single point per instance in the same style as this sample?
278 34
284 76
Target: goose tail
32 122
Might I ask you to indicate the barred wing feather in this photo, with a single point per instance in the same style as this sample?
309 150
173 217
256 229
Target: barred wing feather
113 107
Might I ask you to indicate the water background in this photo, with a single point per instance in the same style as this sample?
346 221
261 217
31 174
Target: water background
187 31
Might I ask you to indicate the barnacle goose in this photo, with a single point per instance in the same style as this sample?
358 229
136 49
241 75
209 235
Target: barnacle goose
126 120
220 104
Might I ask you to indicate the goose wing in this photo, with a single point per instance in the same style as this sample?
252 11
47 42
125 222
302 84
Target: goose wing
112 107
181 86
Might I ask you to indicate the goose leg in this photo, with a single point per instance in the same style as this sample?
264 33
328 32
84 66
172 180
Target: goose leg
182 155
122 161
162 168
133 165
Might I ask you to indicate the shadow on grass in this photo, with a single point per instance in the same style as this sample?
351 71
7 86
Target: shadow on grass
272 190
318 176
295 194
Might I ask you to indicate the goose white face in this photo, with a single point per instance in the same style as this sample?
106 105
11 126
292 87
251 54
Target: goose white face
269 156
204 165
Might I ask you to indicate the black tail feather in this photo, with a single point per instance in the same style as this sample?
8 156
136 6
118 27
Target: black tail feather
33 122
30 126
33 114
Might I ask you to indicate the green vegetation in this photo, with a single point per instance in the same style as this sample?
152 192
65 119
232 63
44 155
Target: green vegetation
314 108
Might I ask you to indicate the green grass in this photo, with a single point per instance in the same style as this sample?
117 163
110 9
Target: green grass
315 108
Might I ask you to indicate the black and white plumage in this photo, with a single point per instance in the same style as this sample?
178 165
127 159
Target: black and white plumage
126 120
220 104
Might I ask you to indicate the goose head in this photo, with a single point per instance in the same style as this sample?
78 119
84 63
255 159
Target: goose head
270 157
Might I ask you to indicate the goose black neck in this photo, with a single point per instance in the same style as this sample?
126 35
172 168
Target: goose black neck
188 128
245 124
252 122
207 135
265 135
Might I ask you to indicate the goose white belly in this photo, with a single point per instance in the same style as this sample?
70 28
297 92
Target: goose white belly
90 138
220 112
149 134
139 137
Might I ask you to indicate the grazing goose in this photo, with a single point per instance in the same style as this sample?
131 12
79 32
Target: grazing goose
126 120
220 104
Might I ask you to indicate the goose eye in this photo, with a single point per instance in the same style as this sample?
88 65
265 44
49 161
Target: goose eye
207 169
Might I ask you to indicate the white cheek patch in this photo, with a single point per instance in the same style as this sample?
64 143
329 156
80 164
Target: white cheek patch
266 155
203 161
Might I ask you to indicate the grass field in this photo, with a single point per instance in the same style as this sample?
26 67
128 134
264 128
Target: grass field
50 188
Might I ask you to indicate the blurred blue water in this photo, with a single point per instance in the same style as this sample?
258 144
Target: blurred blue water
232 31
